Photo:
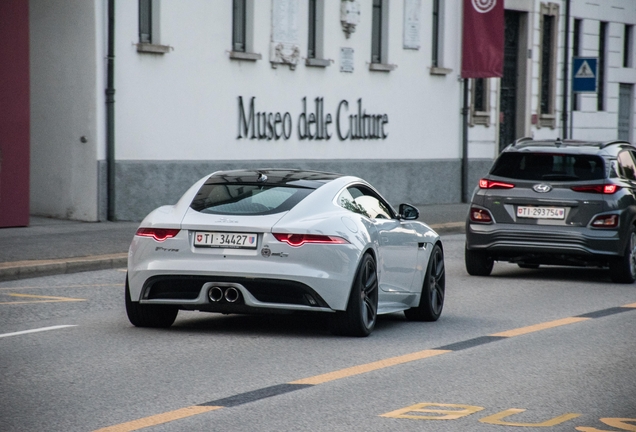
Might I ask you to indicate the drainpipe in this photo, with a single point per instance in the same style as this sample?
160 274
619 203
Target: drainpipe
465 196
566 52
110 112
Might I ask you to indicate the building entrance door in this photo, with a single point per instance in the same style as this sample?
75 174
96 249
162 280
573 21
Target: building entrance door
508 92
625 98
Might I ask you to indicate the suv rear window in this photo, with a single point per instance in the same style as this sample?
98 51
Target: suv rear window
247 199
549 166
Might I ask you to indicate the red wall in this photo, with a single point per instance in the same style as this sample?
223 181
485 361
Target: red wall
14 113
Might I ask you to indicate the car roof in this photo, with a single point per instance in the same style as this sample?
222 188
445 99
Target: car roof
568 146
274 176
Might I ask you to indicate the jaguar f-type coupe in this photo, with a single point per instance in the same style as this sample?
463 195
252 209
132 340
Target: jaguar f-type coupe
283 240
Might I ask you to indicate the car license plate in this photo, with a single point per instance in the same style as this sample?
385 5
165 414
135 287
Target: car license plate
541 212
225 239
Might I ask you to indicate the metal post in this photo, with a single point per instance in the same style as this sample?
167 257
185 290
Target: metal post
110 112
465 144
566 54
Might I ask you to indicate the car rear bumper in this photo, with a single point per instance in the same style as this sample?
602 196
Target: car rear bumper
511 241
312 277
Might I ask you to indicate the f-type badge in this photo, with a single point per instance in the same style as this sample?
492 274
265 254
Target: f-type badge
267 252
542 188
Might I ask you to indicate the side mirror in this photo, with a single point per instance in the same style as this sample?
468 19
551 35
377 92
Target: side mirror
408 212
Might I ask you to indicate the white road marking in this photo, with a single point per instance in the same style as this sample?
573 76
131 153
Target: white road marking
36 330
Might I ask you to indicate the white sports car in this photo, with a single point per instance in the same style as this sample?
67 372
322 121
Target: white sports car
280 240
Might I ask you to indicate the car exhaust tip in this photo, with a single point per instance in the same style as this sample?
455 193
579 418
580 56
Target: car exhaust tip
215 294
231 295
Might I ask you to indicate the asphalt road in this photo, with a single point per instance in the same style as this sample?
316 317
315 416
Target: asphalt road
522 348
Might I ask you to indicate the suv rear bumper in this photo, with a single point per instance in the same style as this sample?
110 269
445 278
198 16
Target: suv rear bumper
514 242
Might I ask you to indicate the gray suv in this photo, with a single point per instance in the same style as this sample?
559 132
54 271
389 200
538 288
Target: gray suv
557 203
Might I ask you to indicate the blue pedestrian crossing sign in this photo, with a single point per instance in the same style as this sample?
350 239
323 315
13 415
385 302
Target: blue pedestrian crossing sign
585 73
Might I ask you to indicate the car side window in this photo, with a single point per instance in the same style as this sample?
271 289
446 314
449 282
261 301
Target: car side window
363 201
626 165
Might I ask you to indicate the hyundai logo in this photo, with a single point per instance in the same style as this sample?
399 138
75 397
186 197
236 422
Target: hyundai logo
542 188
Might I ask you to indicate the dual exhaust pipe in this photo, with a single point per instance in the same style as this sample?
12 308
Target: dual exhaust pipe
230 294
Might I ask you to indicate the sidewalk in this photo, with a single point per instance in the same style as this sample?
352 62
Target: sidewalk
52 246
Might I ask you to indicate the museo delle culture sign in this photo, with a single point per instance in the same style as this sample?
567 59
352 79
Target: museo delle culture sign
350 122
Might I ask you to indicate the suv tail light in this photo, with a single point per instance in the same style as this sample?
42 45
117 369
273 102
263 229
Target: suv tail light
297 240
159 234
480 215
491 184
605 221
607 189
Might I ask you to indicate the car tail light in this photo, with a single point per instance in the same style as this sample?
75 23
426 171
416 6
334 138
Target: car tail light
159 234
300 239
491 184
607 189
480 215
605 221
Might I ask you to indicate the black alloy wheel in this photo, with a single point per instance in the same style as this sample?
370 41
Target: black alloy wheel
433 290
362 309
154 316
623 269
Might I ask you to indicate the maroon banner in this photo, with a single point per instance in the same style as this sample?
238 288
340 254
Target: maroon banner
483 39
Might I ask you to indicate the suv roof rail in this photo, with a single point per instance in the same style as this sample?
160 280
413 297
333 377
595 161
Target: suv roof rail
520 140
614 142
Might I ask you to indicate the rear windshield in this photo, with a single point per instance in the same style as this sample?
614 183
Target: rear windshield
546 166
247 199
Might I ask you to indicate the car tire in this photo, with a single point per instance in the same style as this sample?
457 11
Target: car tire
155 316
477 263
528 266
433 290
362 308
623 269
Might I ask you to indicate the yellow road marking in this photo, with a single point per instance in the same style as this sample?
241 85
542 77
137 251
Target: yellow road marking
633 305
47 299
450 411
360 369
159 419
498 419
539 327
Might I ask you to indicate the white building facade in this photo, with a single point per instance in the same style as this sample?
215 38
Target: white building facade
365 87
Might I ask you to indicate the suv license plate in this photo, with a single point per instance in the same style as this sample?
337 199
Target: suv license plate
541 212
225 240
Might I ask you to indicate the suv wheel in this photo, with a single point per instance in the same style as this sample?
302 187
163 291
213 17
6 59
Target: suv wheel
478 263
623 269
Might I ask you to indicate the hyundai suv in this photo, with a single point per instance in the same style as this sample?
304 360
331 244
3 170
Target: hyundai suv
556 202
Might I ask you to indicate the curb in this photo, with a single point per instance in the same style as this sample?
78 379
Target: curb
16 270
35 268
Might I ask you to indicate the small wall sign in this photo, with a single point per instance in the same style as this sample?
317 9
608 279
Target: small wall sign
346 59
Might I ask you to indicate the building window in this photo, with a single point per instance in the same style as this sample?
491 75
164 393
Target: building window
149 28
379 36
238 25
437 39
602 48
435 49
315 33
311 37
376 32
145 21
576 52
242 20
628 41
480 106
547 77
